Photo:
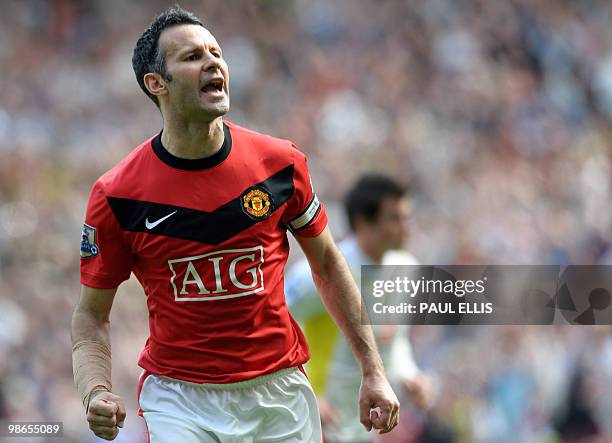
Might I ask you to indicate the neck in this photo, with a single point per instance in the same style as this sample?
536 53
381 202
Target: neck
193 140
374 253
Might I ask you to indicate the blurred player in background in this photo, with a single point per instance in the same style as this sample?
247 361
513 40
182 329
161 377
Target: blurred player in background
199 214
377 209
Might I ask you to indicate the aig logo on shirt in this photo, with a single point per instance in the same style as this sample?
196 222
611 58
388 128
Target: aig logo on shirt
217 275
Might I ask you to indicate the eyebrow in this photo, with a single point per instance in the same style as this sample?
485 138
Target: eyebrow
189 49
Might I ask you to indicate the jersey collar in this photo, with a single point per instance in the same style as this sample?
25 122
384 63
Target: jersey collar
193 164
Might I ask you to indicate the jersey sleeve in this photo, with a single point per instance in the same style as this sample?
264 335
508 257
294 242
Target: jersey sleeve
305 215
105 257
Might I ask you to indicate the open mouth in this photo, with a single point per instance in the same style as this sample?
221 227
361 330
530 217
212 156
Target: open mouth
214 85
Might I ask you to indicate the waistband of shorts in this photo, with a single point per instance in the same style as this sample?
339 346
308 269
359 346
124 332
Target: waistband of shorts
262 379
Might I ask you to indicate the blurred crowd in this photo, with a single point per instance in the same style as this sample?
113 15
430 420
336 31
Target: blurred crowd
498 112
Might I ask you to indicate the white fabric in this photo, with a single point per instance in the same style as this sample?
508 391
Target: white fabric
279 407
344 378
308 214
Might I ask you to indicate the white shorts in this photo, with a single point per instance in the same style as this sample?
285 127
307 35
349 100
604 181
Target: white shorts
278 407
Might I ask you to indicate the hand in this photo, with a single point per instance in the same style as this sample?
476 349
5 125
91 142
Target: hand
329 416
378 405
106 414
420 388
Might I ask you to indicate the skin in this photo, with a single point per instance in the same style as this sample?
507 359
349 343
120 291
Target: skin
387 231
193 129
421 389
193 125
342 300
90 321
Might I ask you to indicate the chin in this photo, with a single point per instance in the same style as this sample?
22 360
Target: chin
208 114
217 109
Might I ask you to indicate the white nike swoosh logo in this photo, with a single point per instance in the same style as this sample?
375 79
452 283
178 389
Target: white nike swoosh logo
151 225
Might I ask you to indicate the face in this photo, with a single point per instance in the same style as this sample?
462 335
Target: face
200 78
390 229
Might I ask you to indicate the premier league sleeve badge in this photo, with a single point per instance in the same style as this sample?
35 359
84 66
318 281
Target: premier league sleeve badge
88 242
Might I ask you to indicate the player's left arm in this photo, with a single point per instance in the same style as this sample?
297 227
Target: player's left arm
342 299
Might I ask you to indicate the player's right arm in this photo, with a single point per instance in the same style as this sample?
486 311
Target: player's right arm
105 263
91 360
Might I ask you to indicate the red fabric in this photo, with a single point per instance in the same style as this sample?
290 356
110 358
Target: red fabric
141 381
302 197
222 340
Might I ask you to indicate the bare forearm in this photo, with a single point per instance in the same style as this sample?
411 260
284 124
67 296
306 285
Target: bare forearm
343 301
85 326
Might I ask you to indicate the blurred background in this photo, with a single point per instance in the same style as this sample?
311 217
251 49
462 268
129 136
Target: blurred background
498 112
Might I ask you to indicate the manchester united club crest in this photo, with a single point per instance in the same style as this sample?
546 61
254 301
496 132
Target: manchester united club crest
256 203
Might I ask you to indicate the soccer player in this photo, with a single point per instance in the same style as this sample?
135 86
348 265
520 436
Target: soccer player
377 209
199 214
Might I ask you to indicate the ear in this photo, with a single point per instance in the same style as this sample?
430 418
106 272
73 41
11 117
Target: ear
155 84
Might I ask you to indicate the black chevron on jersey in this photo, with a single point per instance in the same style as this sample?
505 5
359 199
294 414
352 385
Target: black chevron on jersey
210 228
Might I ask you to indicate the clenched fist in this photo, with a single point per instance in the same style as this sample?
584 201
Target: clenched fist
106 414
378 405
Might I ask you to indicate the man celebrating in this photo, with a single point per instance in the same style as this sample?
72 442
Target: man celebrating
199 214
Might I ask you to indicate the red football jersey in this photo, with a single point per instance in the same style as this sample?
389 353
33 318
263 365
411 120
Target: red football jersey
207 240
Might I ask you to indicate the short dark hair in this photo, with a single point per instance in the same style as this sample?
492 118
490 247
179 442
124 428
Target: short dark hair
366 196
146 57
